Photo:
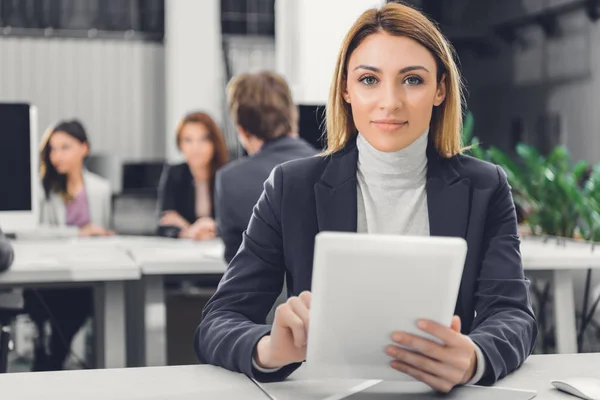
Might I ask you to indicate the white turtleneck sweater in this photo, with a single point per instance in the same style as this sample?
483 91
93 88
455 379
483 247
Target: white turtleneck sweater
391 196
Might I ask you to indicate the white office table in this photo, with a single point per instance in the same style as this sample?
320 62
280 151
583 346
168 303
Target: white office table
157 259
561 260
206 382
197 382
535 375
40 263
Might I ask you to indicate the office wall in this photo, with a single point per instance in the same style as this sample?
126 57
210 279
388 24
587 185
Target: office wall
194 63
308 37
115 87
544 76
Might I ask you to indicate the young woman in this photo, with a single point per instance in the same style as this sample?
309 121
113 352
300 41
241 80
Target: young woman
76 201
186 190
394 166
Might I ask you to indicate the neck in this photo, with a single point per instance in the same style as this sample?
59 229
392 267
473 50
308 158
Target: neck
200 173
410 161
75 181
254 144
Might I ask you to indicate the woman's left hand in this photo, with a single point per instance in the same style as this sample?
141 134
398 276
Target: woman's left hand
441 366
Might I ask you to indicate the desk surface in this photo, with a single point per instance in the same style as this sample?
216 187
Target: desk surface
206 382
163 256
154 383
61 261
551 254
536 375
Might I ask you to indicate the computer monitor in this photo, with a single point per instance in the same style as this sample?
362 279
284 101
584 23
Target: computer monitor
312 123
19 205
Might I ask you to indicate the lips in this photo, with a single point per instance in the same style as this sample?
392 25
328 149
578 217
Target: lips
389 125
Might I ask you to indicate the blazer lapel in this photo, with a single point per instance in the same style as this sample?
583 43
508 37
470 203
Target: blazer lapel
94 208
448 197
60 209
335 193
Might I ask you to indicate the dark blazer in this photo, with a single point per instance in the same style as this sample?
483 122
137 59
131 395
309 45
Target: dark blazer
6 253
466 198
177 192
239 184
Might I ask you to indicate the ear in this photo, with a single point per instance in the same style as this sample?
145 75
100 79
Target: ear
86 149
440 94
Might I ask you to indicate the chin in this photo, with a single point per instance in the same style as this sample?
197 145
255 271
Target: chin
389 144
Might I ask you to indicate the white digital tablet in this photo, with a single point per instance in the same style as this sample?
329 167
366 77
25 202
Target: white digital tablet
364 287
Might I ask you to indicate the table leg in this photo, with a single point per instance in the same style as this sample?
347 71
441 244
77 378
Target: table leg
109 317
146 323
155 324
564 313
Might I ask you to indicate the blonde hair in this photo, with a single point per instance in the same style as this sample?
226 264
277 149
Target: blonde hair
261 103
399 20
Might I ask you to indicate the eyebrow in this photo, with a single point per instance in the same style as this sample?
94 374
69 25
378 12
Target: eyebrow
402 71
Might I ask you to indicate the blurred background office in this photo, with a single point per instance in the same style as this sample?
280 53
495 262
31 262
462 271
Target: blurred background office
130 70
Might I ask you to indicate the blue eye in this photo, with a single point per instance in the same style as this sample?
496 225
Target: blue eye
413 80
368 80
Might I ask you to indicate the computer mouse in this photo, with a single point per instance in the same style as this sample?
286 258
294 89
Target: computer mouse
585 388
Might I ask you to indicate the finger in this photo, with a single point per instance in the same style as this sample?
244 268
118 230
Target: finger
286 318
456 324
447 335
445 371
436 383
424 346
306 298
300 309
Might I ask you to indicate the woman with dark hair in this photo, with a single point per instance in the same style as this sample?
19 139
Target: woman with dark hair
74 197
77 202
186 190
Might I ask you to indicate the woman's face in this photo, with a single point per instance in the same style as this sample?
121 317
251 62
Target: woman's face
392 89
196 146
66 152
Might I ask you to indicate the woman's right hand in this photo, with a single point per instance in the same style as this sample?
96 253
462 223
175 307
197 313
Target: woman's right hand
174 219
94 230
287 342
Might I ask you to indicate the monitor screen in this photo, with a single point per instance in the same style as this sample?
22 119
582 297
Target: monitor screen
15 157
142 176
312 124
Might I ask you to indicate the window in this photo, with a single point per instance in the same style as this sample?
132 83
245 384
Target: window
142 19
248 17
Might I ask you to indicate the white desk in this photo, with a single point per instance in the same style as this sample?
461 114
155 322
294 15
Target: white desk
207 382
196 382
561 261
61 263
158 258
535 375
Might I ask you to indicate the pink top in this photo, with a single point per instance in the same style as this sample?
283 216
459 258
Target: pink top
78 212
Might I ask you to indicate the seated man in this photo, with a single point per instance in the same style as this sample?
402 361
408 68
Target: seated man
262 108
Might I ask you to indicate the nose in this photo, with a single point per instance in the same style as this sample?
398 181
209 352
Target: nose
392 97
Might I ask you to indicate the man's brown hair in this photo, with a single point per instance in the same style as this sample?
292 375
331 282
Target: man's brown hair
261 103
